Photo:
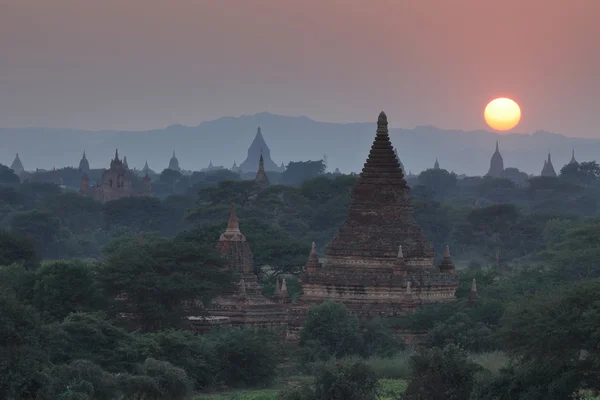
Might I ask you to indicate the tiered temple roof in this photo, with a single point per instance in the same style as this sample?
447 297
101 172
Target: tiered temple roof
245 305
548 169
259 149
379 251
261 176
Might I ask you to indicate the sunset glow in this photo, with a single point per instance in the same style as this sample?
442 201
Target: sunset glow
502 114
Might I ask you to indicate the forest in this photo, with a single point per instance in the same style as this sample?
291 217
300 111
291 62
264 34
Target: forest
531 243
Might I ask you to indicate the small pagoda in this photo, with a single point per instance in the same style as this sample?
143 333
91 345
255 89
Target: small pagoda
246 305
379 262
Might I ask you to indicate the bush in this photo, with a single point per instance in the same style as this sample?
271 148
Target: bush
92 336
197 355
352 380
23 357
334 328
462 331
247 357
82 379
397 367
139 387
172 382
378 340
441 374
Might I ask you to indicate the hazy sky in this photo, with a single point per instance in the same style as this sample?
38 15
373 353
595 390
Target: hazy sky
139 64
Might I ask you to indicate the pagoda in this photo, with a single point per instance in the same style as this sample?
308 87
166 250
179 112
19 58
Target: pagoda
245 305
262 180
379 262
496 164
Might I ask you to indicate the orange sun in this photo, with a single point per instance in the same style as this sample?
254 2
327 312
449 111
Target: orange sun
502 114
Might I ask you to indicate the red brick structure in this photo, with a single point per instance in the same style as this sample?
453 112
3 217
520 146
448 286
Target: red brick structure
379 262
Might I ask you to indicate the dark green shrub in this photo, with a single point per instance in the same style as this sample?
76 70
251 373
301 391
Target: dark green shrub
173 382
441 374
248 357
334 327
197 355
352 380
378 339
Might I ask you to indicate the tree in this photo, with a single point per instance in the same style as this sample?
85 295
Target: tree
140 214
78 213
333 327
63 287
41 227
23 358
297 172
463 332
554 339
441 374
575 255
345 380
15 249
440 181
248 357
8 176
159 277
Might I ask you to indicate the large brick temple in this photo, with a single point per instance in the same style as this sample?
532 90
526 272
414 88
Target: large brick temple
379 262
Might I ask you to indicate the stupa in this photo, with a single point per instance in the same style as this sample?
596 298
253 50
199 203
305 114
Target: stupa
380 253
245 305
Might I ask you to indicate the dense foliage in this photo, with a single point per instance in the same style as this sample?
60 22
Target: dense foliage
92 295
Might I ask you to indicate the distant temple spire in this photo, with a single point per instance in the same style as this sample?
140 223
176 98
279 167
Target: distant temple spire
573 160
174 163
125 162
17 165
261 176
84 165
313 263
548 169
496 164
473 296
257 148
436 165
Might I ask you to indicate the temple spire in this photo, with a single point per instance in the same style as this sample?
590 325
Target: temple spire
473 295
400 254
233 224
436 165
573 160
261 176
313 260
277 293
447 265
116 154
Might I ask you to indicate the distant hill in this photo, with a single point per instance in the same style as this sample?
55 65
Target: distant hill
227 139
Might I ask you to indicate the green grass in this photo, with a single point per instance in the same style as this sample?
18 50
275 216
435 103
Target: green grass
390 390
266 394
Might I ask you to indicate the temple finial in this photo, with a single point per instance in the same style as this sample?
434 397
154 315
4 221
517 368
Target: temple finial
400 253
283 287
447 251
497 146
473 295
116 154
233 224
277 289
243 287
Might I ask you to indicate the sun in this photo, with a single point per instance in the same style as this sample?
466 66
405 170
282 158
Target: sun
502 114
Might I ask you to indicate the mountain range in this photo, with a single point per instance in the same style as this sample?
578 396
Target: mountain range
346 145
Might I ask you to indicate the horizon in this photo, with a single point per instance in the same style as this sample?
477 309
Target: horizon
392 126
